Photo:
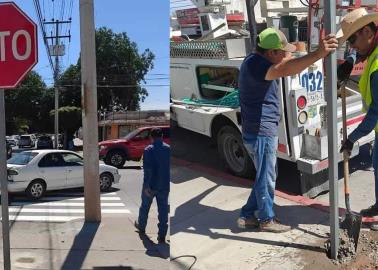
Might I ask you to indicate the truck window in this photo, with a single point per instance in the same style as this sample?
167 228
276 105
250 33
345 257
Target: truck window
217 82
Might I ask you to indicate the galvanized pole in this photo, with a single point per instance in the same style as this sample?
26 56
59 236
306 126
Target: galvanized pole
56 103
89 107
4 185
331 97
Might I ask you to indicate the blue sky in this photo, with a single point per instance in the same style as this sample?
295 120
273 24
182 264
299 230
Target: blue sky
146 22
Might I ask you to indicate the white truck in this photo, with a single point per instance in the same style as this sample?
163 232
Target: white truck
204 74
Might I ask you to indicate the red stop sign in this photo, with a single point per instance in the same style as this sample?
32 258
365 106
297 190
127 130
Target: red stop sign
18 45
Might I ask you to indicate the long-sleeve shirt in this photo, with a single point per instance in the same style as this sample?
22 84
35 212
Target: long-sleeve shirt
156 166
371 117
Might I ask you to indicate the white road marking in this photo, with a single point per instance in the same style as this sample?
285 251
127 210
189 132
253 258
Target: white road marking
65 204
60 210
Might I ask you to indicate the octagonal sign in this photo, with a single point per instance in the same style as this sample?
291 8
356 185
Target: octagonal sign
18 45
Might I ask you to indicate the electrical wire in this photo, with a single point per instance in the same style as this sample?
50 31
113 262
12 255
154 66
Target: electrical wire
186 256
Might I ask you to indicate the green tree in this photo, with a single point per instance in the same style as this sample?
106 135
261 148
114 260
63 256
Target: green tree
120 71
27 107
69 121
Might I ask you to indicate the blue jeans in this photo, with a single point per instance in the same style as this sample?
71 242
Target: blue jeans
375 166
262 150
162 204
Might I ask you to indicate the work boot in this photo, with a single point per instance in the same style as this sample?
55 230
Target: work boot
245 223
370 212
274 225
140 231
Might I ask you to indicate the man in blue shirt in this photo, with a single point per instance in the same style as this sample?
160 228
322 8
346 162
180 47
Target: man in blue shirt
260 114
156 166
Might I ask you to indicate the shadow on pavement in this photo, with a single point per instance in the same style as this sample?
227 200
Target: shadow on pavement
154 250
80 246
189 218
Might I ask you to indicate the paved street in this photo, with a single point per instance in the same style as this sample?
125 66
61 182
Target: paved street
54 224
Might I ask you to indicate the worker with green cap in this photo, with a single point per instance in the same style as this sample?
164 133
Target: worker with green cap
260 115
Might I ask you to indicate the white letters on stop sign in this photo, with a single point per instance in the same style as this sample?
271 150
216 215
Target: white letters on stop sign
15 51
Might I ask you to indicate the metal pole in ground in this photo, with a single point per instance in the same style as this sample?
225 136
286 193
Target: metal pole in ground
4 185
89 107
331 98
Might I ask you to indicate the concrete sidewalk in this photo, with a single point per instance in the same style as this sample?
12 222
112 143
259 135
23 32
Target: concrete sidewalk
112 244
204 210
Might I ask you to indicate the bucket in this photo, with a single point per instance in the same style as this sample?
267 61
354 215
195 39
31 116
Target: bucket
289 26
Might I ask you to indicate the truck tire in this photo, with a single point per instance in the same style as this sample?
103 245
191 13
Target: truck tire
116 158
233 152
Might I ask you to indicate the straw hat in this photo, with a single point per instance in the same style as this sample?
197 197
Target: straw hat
353 21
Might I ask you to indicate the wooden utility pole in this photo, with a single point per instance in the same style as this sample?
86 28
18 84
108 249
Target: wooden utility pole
89 112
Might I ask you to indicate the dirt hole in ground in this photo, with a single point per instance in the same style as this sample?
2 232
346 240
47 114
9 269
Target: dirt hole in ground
366 257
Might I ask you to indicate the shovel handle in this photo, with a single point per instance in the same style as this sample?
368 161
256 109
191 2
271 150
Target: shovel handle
345 153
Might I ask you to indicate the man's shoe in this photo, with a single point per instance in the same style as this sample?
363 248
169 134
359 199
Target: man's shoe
245 223
161 239
274 226
370 212
136 225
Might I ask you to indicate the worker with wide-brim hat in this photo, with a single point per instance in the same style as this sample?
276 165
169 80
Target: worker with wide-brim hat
358 28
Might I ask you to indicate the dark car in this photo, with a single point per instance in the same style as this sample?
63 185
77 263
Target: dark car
9 150
45 142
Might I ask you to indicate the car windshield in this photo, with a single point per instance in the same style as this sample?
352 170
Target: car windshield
132 134
22 158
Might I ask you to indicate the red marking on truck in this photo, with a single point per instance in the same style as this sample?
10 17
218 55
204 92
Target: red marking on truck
282 148
355 120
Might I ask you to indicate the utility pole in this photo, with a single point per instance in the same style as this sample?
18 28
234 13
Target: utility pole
331 98
89 112
57 51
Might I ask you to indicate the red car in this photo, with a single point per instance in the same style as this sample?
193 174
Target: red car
116 152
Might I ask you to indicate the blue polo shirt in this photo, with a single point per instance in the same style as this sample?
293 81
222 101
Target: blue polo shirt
259 102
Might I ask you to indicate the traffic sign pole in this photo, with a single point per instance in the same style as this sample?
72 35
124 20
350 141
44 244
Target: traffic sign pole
4 185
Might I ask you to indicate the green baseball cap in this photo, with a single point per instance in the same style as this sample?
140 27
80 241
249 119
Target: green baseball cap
274 39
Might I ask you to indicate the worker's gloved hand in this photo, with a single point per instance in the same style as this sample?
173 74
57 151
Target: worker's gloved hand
347 146
344 70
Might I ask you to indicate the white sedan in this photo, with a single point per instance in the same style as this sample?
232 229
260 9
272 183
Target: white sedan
36 171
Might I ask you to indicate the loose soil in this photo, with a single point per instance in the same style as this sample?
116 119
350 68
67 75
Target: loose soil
365 259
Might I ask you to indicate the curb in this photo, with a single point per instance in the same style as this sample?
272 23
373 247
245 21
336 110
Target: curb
242 181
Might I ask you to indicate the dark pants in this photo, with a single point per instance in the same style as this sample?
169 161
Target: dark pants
162 204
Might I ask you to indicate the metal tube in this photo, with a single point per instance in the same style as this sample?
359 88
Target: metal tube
4 185
252 22
331 98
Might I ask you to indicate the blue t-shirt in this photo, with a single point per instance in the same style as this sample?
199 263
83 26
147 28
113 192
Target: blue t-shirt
259 102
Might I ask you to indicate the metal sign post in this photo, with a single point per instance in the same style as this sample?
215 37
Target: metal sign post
4 185
331 97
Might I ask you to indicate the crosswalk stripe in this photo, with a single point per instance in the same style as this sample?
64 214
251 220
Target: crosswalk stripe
43 218
77 199
75 194
65 204
60 210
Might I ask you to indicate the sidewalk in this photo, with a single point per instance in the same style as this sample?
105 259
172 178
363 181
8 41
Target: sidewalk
204 210
112 244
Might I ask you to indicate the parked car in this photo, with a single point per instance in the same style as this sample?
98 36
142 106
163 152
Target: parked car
131 147
27 141
45 142
37 171
9 150
11 142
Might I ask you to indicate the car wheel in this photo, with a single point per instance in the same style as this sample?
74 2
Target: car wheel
36 189
233 152
115 158
106 180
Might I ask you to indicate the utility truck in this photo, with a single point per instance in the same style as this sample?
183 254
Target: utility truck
204 99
